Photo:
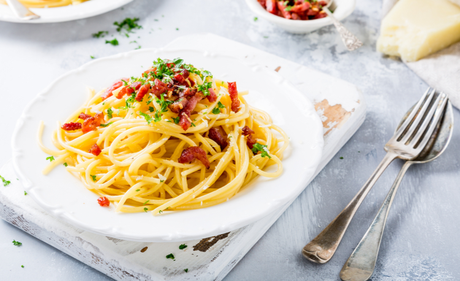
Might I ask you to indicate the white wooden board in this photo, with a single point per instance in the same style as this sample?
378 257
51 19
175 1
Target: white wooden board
342 110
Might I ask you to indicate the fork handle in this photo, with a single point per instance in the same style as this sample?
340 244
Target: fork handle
322 247
361 263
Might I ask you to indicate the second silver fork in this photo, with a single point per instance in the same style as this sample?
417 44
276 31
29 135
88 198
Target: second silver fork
406 144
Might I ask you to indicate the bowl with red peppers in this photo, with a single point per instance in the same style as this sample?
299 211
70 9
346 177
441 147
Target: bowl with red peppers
300 16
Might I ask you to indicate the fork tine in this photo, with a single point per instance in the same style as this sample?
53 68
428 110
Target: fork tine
418 119
408 120
427 119
437 116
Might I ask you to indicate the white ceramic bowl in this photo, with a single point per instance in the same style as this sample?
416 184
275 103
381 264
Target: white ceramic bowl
343 10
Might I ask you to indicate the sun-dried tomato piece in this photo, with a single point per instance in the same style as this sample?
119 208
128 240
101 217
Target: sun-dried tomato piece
159 88
95 149
217 135
143 90
84 116
71 126
103 201
250 140
212 97
194 152
234 96
185 121
116 85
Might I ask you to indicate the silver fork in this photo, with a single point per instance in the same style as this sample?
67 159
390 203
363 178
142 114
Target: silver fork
406 144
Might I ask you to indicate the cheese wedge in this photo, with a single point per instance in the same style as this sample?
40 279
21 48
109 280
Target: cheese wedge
416 28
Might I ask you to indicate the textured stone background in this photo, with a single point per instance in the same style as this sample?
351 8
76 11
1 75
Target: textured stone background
420 242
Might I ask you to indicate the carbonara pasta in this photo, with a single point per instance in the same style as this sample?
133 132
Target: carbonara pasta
173 139
47 3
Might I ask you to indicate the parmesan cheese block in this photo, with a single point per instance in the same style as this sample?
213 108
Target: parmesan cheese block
414 29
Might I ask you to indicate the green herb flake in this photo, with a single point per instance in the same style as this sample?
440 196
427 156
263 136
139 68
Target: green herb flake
91 57
170 256
5 182
177 28
186 270
341 157
51 158
160 211
146 202
262 148
176 120
110 113
157 116
216 109
151 109
147 117
100 34
22 266
128 24
65 164
256 18
17 243
146 209
182 246
114 42
105 125
25 193
93 177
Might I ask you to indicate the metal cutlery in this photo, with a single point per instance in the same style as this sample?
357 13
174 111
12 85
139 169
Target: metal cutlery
21 11
407 143
361 264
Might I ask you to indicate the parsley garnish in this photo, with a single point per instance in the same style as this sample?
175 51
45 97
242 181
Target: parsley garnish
147 117
51 158
94 177
92 57
146 209
176 119
128 24
288 8
157 116
182 246
100 34
110 113
65 164
17 243
5 182
193 124
216 109
262 148
22 266
186 270
160 211
130 101
25 193
170 256
177 28
151 109
105 125
138 47
114 42
256 18
138 190
163 104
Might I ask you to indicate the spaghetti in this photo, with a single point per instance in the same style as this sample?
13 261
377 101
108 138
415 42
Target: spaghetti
173 139
47 3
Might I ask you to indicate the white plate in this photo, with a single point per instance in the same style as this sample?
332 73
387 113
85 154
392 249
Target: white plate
64 196
66 13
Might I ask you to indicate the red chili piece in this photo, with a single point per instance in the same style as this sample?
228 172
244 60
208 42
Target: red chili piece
95 149
250 140
159 88
212 97
91 123
103 201
194 152
71 126
144 90
185 121
234 96
217 135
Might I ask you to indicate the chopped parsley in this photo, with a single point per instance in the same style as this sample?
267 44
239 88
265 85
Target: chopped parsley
25 193
146 209
176 119
163 104
138 47
105 125
341 157
193 124
93 177
160 211
130 100
22 266
146 202
182 246
147 117
186 270
5 182
17 243
114 42
170 256
91 57
151 109
256 18
51 158
177 28
128 24
216 109
288 8
157 116
138 190
100 34
204 88
262 148
65 164
110 113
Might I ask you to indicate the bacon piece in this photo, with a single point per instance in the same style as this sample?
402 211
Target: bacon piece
320 15
103 201
312 12
189 92
71 126
234 96
212 97
185 121
159 88
179 78
178 105
271 6
144 90
262 3
149 70
128 90
300 8
95 149
282 8
194 152
91 123
250 140
217 135
185 73
296 16
84 116
322 3
108 93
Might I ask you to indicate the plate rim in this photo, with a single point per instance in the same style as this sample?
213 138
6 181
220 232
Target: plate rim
209 231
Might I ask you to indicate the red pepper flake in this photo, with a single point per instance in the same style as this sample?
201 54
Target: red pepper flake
95 149
103 201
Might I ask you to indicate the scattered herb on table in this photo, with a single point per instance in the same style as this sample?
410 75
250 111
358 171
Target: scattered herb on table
5 182
17 243
25 192
114 42
182 246
186 270
22 266
100 34
51 158
256 18
91 57
170 256
341 157
128 24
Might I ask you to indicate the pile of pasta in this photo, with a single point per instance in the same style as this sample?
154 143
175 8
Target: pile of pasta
47 3
172 139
